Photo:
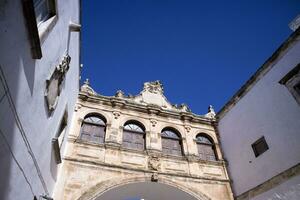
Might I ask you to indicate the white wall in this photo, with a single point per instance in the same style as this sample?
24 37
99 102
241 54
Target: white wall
269 110
289 190
26 80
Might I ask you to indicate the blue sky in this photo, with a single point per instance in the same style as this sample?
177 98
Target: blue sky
202 51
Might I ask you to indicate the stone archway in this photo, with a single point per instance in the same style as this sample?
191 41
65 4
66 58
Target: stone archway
143 188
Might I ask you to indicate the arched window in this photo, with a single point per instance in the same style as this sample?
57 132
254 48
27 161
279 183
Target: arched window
134 135
171 142
206 148
93 129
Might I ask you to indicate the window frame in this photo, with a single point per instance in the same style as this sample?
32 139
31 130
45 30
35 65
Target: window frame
166 138
255 148
291 80
59 137
37 33
211 145
93 124
51 10
127 131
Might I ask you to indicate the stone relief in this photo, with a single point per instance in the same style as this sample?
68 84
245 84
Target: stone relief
154 87
154 163
153 122
54 83
116 114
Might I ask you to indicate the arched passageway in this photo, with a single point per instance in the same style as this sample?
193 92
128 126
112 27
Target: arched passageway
145 191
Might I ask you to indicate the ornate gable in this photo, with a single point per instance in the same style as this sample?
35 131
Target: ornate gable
152 94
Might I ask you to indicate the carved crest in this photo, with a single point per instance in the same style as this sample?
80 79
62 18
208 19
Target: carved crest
154 87
54 83
154 163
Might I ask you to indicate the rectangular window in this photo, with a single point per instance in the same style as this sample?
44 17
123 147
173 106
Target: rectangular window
44 9
58 140
260 146
292 81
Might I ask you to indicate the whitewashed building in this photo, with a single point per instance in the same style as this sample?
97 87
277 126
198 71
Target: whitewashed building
39 81
260 128
257 131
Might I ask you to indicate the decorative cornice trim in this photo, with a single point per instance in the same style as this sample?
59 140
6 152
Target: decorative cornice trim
150 109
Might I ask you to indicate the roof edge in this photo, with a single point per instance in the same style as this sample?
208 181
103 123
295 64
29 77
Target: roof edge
267 66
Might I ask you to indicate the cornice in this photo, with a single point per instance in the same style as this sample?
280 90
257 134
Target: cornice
114 166
121 103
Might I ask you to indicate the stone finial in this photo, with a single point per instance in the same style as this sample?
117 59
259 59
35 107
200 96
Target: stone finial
87 88
154 87
211 112
184 107
87 82
120 94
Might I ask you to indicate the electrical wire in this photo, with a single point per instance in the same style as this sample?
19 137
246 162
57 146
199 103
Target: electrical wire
21 129
16 161
1 99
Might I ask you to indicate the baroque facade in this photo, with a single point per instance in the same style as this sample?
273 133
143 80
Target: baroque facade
122 140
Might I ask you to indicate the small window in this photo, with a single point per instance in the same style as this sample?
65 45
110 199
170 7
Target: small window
171 142
134 136
58 140
260 146
93 129
206 147
44 9
292 81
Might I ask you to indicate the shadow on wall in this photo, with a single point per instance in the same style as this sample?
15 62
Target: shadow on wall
18 70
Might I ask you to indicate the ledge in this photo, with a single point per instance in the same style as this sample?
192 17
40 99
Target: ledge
143 170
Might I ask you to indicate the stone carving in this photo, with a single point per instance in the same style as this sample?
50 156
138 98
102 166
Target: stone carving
120 94
154 87
183 107
154 177
54 83
153 122
154 163
211 112
87 88
187 128
77 107
116 114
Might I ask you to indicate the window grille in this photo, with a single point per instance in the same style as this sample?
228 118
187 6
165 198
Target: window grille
93 129
171 142
206 149
133 136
